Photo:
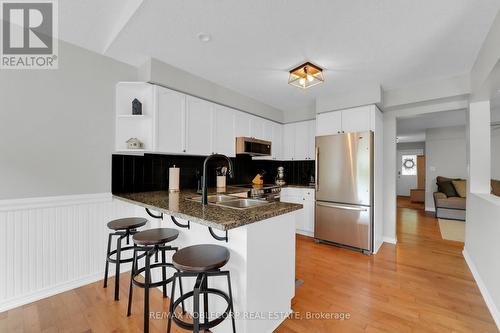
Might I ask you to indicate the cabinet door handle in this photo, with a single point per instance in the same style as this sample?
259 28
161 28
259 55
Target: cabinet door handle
359 209
316 184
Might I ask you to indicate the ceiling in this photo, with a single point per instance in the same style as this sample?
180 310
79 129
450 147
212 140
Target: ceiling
413 129
393 43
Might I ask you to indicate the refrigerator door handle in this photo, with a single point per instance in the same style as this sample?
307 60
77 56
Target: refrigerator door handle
317 170
360 209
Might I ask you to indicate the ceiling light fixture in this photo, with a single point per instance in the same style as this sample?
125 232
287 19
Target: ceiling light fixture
204 37
306 75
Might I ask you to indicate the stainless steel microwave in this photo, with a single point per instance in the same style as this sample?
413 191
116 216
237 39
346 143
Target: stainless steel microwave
253 146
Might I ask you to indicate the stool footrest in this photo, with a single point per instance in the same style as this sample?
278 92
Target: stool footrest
152 284
209 324
123 261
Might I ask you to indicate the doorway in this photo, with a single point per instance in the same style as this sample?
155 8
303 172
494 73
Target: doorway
410 182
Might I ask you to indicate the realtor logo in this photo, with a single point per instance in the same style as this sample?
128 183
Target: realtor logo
29 34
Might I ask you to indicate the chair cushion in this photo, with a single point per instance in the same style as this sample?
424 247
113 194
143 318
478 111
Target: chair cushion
447 188
460 187
452 202
440 179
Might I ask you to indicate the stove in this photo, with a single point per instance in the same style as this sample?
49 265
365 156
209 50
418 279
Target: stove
268 192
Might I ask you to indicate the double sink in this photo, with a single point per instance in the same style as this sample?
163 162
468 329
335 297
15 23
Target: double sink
231 201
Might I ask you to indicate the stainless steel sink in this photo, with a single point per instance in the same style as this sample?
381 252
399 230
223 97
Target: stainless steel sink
231 201
215 198
243 203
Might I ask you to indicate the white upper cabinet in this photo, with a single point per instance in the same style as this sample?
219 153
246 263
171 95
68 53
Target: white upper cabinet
176 123
171 121
267 130
299 140
199 120
277 140
288 141
311 140
357 119
257 128
242 124
224 131
329 123
301 143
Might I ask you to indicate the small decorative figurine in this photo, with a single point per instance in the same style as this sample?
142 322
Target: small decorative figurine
134 143
280 177
136 107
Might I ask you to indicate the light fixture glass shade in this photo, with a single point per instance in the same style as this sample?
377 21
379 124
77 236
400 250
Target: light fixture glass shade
306 76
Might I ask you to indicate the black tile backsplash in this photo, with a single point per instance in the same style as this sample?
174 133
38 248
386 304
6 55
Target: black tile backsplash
134 173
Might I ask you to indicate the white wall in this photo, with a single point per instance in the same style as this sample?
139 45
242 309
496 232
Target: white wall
446 155
482 247
57 126
411 145
495 154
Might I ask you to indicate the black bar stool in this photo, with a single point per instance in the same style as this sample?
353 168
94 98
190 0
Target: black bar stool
149 243
123 228
202 262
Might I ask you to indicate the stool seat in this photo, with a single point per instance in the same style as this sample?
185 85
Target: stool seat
200 258
155 236
127 223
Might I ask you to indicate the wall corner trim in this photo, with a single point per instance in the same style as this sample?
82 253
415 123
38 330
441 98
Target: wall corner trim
495 313
390 240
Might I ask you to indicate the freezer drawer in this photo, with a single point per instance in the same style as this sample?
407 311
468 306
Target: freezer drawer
344 224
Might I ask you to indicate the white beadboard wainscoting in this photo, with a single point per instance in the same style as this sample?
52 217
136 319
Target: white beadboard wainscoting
52 244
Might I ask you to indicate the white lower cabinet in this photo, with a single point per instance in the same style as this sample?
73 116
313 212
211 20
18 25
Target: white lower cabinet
305 217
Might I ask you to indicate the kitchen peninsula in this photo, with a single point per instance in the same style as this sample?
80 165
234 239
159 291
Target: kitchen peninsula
261 241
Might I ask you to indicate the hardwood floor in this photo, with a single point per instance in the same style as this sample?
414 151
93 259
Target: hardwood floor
422 284
404 202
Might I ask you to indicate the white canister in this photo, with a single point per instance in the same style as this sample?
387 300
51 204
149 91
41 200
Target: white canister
221 183
173 201
173 179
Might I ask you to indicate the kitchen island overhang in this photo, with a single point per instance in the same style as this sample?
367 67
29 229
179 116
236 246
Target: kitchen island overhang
261 241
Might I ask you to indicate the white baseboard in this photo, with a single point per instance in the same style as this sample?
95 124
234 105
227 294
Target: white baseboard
390 240
47 292
304 233
59 288
495 313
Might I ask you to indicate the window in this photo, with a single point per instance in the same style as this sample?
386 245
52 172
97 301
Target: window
409 165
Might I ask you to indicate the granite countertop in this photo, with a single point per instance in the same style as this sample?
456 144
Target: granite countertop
215 216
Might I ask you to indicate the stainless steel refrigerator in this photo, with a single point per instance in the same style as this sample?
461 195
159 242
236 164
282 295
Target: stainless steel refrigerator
344 190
